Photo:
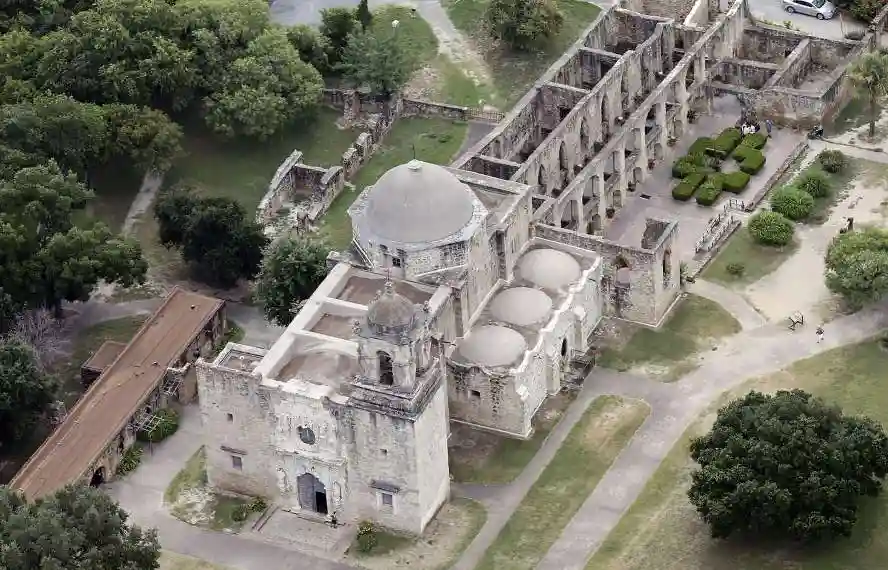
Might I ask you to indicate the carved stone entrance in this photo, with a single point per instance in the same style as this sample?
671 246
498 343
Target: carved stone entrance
312 493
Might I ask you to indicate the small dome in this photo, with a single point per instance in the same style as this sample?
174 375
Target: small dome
521 306
390 310
418 202
493 346
549 268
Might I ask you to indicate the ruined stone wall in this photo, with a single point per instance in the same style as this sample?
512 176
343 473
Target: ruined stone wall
751 74
491 400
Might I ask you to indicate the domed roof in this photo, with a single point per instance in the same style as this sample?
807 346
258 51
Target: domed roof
493 346
549 268
521 306
390 310
418 202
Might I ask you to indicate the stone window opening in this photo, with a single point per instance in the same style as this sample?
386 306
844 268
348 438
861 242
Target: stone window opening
229 417
476 394
388 500
384 452
622 273
396 262
667 268
386 373
564 348
237 462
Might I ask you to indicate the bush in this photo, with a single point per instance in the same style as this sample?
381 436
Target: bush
367 539
866 10
240 513
770 228
700 145
792 202
754 140
709 192
735 181
736 269
258 504
816 183
130 460
683 191
167 424
727 141
750 160
692 163
832 160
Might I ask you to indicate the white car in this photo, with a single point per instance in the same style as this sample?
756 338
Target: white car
820 9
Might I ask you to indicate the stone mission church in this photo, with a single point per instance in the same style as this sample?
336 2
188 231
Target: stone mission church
446 308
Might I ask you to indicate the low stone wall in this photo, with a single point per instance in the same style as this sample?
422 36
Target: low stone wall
775 177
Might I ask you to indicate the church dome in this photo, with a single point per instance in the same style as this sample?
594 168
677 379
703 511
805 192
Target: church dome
521 306
418 202
390 310
493 345
549 268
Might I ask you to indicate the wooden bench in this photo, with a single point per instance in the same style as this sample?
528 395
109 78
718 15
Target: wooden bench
795 320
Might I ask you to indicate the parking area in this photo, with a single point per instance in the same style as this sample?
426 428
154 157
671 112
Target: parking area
773 11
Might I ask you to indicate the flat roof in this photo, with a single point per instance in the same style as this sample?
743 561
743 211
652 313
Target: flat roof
114 397
105 356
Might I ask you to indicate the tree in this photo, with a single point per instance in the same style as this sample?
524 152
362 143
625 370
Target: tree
44 259
376 62
290 273
146 136
523 23
338 25
786 465
869 75
857 266
215 235
313 47
363 15
26 392
82 528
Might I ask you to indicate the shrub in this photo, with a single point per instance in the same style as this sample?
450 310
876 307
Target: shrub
700 145
683 191
736 269
709 192
750 160
816 183
367 539
240 513
695 179
167 424
692 163
735 181
258 504
130 460
727 141
792 202
770 228
832 160
754 140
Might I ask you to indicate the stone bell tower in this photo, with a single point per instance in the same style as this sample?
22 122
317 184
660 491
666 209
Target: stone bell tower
398 407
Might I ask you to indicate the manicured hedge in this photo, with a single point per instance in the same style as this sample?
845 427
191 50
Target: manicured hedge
726 142
695 179
700 145
691 163
709 191
750 159
755 140
685 189
735 181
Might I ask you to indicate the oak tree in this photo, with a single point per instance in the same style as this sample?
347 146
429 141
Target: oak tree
290 273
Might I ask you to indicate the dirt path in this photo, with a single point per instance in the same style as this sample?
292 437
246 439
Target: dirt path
151 184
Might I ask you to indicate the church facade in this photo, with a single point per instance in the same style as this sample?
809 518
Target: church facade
446 309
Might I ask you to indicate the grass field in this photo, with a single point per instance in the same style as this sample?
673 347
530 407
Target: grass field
584 457
694 322
172 561
758 260
661 531
515 72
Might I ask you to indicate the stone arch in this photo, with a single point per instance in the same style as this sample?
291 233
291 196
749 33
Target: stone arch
622 272
564 347
618 198
594 225
658 152
667 267
637 175
98 477
541 179
386 371
563 163
312 493
570 216
584 140
605 119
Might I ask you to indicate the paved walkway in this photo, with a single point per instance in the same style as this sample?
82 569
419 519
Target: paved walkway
731 301
744 356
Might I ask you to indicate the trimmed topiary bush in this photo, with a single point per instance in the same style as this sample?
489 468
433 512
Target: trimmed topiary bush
736 269
691 163
167 424
700 145
695 179
735 181
709 191
832 160
750 160
754 140
770 228
816 183
686 188
792 202
727 141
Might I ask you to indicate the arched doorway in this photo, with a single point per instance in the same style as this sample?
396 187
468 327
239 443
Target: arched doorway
312 493
98 477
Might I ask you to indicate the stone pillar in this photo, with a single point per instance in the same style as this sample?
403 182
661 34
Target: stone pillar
661 122
579 211
641 143
598 188
620 167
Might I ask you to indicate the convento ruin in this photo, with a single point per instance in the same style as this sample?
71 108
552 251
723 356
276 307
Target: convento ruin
469 292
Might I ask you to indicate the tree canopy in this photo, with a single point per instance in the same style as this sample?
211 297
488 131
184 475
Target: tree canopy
521 24
290 273
857 266
26 392
376 61
79 528
869 75
215 235
786 465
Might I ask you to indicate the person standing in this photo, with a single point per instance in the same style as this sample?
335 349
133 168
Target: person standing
819 334
769 125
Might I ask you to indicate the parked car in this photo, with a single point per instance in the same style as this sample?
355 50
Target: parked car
820 9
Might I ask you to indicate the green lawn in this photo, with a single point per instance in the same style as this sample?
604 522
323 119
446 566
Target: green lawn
694 323
414 35
191 501
242 169
854 114
758 260
115 185
840 185
498 460
584 457
661 531
433 140
515 72
172 561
